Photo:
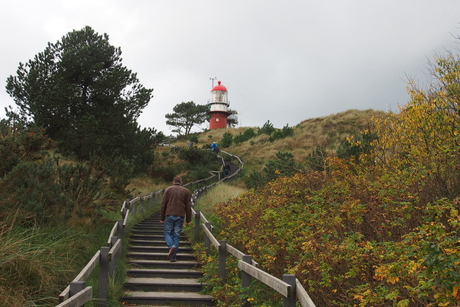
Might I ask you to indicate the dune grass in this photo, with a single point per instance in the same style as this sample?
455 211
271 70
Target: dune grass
35 263
221 193
328 132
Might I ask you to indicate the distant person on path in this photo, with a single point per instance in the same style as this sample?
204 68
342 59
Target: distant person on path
175 206
227 169
215 147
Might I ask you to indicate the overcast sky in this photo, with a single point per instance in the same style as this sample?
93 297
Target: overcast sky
282 61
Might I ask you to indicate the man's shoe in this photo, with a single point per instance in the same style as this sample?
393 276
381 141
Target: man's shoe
171 252
173 260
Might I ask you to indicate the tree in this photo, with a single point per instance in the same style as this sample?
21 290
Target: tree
78 90
186 115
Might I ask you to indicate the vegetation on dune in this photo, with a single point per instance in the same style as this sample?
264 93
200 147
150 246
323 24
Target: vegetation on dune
378 227
362 206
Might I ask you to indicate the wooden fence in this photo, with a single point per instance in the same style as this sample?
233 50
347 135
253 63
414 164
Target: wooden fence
77 293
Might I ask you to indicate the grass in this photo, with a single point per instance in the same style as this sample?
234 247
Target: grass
34 265
328 132
145 185
37 264
221 193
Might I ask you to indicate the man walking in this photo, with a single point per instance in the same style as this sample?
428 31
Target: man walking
175 206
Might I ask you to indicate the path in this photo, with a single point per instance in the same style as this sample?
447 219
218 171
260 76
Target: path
155 281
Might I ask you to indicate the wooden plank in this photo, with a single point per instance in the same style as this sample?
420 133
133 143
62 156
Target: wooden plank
88 269
64 294
238 254
114 249
203 219
209 234
235 252
112 234
135 199
123 206
302 295
78 299
125 220
275 283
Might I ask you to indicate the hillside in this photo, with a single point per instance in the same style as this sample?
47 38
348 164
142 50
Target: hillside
379 229
328 132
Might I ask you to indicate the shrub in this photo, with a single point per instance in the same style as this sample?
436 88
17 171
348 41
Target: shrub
279 134
357 145
284 165
227 140
315 160
20 144
244 136
52 193
267 128
194 139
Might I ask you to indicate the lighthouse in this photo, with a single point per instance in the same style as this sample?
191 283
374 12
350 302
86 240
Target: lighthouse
218 107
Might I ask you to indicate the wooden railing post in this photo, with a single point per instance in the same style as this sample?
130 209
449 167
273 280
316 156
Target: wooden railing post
197 225
246 279
290 300
133 208
75 287
120 229
141 206
207 241
103 280
222 259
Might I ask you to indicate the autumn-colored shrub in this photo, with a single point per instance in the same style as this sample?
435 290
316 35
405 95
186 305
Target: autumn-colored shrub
378 229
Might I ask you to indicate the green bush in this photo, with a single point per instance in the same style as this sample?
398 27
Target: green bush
284 165
244 136
52 193
357 145
279 134
194 139
227 140
267 128
20 144
315 160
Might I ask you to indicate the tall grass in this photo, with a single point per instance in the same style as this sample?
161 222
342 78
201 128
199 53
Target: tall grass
34 264
221 193
37 264
328 132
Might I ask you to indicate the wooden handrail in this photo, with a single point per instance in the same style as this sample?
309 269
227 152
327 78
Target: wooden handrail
114 242
302 295
277 284
78 299
82 276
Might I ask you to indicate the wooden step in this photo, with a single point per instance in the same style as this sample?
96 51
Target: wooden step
165 273
159 284
152 280
162 298
161 242
158 249
158 256
160 264
144 236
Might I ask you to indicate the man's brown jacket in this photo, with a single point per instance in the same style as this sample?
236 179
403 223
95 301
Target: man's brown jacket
176 201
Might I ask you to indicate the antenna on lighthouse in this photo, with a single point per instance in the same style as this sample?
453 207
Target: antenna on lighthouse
212 79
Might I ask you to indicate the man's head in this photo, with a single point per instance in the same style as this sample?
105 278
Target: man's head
177 180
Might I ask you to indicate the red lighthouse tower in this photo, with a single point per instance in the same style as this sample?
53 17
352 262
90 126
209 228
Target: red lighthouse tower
218 107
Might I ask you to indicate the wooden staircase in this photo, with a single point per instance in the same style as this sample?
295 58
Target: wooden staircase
155 281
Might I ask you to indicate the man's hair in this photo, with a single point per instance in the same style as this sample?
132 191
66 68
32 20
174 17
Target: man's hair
177 179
